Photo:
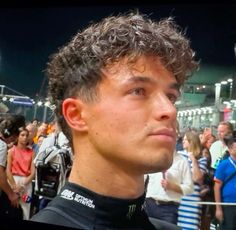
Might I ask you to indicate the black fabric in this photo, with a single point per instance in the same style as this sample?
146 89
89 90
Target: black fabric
7 210
77 207
229 221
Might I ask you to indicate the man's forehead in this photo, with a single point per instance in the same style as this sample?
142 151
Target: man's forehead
223 127
135 66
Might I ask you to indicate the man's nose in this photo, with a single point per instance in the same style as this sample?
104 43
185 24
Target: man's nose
165 109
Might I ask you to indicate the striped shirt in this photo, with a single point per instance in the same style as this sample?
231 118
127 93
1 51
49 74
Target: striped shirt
189 214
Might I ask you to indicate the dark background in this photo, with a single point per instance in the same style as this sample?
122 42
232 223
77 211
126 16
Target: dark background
30 32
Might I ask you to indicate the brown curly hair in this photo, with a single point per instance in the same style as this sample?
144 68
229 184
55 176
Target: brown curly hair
75 70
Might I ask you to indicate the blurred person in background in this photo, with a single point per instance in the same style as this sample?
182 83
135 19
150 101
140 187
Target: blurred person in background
207 192
189 214
165 189
21 170
224 188
33 129
218 148
9 131
42 130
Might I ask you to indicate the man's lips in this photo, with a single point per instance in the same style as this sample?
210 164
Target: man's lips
164 132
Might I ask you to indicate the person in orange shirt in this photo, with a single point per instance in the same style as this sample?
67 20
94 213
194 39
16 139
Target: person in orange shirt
51 127
21 170
42 130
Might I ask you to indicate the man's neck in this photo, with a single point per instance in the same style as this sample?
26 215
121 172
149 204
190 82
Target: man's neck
106 180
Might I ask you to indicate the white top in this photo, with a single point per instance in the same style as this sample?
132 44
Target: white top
3 153
179 173
50 140
217 150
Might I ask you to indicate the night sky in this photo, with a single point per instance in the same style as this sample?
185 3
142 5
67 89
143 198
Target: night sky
28 35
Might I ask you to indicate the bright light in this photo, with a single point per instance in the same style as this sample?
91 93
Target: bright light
230 80
39 103
4 98
224 83
47 103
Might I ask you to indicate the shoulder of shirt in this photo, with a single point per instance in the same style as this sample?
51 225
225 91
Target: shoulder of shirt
3 143
49 217
216 143
225 161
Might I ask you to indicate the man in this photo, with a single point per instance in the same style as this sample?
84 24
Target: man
224 188
9 130
114 87
165 190
57 137
32 133
218 148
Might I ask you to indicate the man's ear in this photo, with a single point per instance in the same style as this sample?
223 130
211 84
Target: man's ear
72 109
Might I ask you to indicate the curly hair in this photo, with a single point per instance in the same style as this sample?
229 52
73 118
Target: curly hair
76 69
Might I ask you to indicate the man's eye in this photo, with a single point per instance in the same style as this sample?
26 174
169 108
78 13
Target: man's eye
138 91
172 98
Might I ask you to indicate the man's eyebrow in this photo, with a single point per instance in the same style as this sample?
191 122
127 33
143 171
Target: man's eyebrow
137 79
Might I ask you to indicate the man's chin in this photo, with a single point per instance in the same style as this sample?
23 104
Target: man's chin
163 165
161 168
168 164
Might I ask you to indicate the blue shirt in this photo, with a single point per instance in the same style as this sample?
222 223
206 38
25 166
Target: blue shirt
226 168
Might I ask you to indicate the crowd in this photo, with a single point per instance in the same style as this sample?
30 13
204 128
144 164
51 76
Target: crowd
207 156
19 147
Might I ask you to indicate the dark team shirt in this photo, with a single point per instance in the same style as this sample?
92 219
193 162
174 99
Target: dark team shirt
78 207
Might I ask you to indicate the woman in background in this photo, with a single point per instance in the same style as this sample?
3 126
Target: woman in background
21 170
189 214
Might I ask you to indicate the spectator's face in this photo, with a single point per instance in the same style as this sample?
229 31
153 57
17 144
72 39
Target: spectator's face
32 131
222 130
35 122
23 137
42 129
210 141
232 150
185 142
133 123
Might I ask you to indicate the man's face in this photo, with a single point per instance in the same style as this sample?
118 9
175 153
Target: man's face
232 150
222 131
32 131
133 124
